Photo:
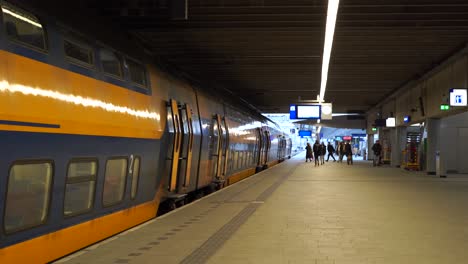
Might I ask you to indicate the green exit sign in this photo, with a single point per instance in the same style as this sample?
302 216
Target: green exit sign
444 107
374 129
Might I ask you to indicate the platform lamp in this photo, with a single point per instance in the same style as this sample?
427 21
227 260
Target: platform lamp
332 13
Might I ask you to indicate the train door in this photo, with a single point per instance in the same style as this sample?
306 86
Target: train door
267 145
215 147
173 153
225 147
281 148
259 148
179 155
185 155
285 148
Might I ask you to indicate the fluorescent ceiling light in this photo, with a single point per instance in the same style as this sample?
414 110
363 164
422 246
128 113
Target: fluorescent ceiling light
329 32
20 17
346 114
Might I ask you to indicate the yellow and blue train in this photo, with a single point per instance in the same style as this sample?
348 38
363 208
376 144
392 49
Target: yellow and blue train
93 140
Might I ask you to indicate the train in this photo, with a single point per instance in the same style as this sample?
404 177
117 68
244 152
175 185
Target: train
94 139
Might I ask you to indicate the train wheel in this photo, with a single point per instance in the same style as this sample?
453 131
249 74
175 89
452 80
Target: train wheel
199 195
171 205
182 202
211 188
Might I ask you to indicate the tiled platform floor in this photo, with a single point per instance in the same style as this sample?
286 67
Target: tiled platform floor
297 213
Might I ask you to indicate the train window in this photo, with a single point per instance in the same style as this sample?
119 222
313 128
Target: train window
241 159
114 181
137 72
28 195
231 161
244 156
78 52
236 160
111 62
135 176
80 185
23 27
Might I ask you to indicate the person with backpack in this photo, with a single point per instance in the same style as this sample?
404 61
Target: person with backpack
349 153
341 150
308 152
323 151
377 149
317 151
331 150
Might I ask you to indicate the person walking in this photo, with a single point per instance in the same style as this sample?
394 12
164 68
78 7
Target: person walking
341 150
338 147
317 150
377 149
331 150
323 151
349 153
308 152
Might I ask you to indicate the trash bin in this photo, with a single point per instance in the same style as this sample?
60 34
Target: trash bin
439 166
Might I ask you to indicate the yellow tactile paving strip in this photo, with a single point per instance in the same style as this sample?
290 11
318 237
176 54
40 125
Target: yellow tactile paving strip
182 233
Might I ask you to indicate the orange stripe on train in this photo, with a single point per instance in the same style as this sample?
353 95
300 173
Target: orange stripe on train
54 245
240 176
37 92
236 177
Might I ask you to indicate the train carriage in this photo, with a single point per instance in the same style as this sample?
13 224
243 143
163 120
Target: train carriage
93 139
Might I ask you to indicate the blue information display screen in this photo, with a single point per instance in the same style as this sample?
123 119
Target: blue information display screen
304 112
305 133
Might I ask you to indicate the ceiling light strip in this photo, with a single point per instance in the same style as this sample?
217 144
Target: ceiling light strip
329 32
20 17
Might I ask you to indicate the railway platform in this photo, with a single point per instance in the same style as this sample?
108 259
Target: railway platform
297 213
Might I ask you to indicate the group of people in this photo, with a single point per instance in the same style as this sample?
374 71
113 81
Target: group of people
318 150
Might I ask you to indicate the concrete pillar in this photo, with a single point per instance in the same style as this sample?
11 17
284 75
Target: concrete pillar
398 143
385 141
370 143
433 145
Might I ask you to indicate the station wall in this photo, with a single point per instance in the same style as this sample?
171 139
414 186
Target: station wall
454 142
421 99
433 89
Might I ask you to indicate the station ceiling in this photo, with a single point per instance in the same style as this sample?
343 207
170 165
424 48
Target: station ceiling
269 52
